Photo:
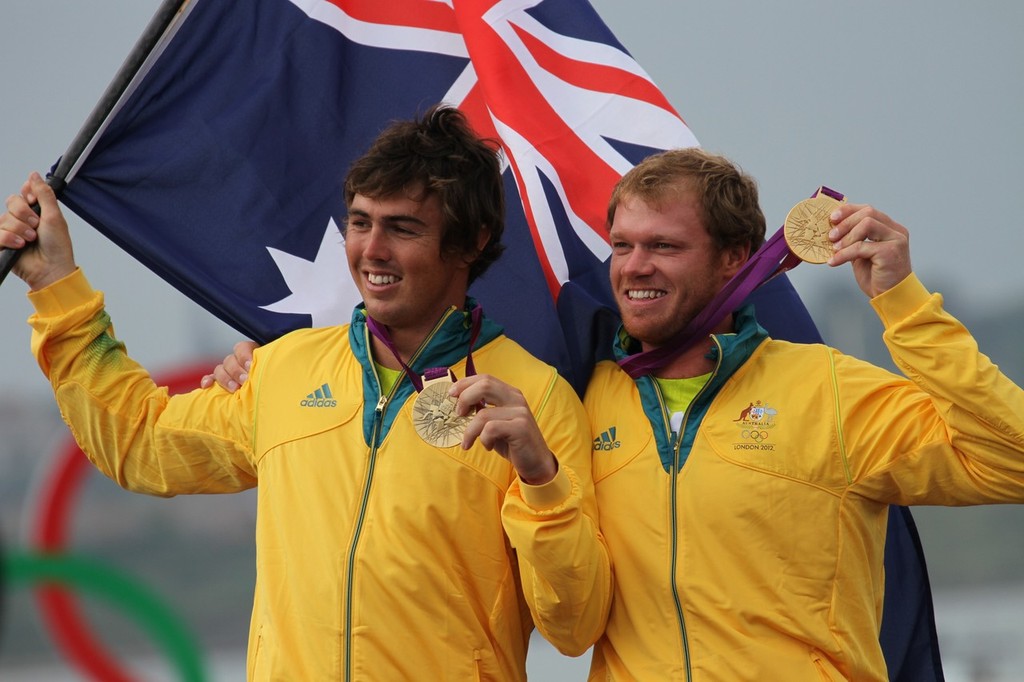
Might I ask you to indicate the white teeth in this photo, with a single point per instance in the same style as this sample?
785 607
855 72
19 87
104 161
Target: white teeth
381 279
639 294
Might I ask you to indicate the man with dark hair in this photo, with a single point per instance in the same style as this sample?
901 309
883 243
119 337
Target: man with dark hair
751 548
408 526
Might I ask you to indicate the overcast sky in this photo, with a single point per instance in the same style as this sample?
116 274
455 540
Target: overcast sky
914 107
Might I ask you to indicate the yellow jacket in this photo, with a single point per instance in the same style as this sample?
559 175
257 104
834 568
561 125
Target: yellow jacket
379 557
750 548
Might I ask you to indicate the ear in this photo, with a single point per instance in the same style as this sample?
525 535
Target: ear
482 238
733 258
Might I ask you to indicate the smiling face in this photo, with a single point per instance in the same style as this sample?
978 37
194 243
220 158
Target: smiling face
665 267
393 246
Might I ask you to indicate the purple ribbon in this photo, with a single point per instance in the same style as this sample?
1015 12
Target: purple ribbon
381 332
771 260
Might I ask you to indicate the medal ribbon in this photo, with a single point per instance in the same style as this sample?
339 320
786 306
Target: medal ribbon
772 259
381 332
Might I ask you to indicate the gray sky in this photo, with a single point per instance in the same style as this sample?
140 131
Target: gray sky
914 107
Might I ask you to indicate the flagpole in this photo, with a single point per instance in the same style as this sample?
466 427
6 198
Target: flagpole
151 35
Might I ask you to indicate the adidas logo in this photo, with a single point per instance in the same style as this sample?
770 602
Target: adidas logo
606 441
321 397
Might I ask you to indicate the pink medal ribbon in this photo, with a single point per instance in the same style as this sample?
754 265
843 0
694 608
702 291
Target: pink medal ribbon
381 332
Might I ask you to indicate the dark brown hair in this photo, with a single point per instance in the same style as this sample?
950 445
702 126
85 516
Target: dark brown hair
440 154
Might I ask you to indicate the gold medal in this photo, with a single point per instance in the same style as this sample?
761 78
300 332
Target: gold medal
433 414
807 226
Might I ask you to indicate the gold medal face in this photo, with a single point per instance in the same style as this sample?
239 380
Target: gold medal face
807 226
433 415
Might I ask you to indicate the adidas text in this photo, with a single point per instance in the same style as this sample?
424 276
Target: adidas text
318 402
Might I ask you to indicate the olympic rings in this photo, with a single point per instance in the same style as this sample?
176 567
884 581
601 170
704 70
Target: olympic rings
755 435
59 491
118 589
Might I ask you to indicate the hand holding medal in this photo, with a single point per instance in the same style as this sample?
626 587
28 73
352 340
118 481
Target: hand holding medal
504 425
875 245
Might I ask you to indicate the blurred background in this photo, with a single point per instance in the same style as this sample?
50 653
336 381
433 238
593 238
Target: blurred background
913 107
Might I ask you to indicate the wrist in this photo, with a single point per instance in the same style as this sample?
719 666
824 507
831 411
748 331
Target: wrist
48 277
542 474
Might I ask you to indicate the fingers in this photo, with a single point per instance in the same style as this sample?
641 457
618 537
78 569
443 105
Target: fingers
233 371
242 352
482 389
856 223
228 375
493 426
18 225
504 423
505 407
876 245
40 192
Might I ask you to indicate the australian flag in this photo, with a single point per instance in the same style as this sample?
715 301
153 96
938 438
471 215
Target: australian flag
221 169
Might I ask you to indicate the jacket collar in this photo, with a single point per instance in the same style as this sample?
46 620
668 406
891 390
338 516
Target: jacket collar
444 347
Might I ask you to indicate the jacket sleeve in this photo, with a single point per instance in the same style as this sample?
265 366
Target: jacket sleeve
951 432
130 428
563 560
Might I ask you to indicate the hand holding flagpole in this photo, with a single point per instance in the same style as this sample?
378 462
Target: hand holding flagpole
105 107
34 220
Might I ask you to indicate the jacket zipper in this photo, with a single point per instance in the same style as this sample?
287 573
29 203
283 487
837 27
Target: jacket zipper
378 422
674 503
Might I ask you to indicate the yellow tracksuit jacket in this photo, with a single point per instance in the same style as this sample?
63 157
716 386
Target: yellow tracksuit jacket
379 557
750 548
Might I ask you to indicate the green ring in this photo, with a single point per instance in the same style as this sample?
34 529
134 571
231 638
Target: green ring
132 597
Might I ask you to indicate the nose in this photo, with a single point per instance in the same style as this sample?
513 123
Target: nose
375 244
636 263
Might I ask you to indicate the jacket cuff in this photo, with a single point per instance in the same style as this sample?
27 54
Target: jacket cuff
547 495
62 296
902 301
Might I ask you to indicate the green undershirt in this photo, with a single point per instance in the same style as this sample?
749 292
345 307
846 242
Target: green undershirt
388 377
678 394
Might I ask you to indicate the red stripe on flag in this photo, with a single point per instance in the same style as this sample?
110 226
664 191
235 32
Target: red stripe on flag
436 16
511 94
596 77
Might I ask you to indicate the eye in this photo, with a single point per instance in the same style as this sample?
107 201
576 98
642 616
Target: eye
405 229
356 223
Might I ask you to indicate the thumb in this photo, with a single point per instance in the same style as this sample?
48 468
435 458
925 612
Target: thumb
40 192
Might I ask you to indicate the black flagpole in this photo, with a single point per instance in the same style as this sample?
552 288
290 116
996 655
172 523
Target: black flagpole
154 31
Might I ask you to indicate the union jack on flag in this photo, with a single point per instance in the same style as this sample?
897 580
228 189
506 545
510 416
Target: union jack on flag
221 169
